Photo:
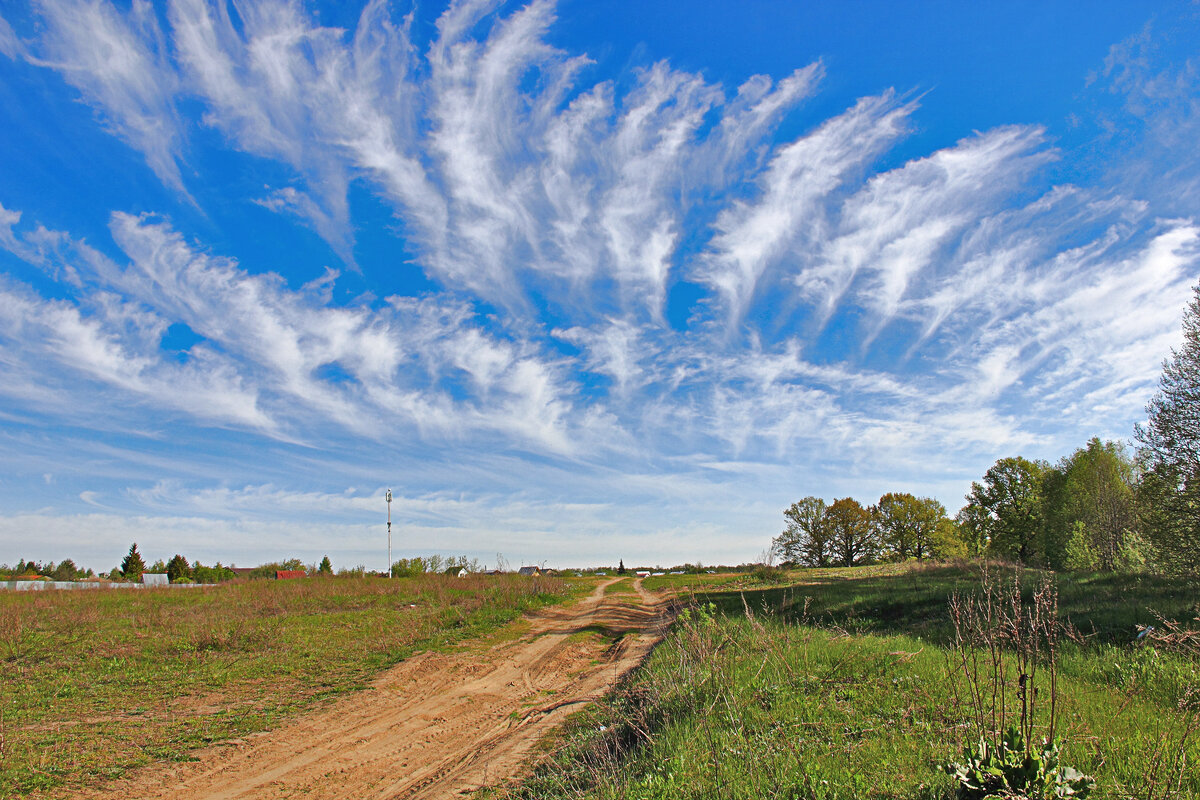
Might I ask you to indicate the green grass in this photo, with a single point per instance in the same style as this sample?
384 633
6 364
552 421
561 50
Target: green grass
838 685
93 683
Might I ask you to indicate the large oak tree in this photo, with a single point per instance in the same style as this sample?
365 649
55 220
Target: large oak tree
852 534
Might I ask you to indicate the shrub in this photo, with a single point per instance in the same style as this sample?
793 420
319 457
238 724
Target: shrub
1079 555
767 574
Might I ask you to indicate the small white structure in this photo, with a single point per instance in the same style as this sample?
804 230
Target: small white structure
643 573
155 579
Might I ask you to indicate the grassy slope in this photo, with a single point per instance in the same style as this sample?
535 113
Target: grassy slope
837 686
93 683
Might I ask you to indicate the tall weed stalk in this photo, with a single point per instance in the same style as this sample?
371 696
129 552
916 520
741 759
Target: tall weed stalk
1003 668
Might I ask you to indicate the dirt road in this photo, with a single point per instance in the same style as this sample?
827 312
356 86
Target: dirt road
436 725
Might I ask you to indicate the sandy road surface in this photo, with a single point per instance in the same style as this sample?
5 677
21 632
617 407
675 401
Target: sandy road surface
436 725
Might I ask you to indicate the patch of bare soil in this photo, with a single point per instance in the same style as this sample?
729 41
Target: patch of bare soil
436 725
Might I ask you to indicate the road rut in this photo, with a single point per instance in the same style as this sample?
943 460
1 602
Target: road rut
436 725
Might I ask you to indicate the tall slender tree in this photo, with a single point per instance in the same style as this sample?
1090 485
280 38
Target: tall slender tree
133 566
1094 488
1170 451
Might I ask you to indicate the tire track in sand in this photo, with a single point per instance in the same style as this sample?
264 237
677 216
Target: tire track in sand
436 725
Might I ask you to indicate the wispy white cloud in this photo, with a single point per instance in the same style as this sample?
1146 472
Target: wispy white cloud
265 348
499 183
10 45
902 226
115 343
791 213
1162 100
119 63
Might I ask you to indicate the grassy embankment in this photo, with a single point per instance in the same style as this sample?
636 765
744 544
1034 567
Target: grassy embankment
841 684
93 683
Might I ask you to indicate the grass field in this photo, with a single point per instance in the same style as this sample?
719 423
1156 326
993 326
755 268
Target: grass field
841 684
93 683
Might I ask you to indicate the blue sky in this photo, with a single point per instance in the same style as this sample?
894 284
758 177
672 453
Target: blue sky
578 281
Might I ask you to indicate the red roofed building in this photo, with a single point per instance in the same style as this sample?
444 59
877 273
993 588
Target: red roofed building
287 574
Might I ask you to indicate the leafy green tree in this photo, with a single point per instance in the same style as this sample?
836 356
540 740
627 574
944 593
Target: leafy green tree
947 541
178 569
31 568
1095 487
1136 554
213 574
66 571
326 567
407 567
805 538
1169 494
1168 506
852 535
973 524
907 526
1078 554
1006 509
133 566
1171 435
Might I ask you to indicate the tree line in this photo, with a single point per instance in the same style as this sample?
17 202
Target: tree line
65 570
845 533
1101 508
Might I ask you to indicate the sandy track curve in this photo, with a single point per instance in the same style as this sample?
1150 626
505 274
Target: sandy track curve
436 725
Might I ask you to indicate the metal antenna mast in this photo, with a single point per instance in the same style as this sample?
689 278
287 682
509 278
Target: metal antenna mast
389 502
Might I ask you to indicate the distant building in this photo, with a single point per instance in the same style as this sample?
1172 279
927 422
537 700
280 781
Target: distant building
529 571
155 579
288 574
458 572
643 573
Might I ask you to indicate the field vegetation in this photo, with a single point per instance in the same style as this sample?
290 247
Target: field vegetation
849 683
93 683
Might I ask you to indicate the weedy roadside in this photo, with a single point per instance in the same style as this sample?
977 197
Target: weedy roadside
849 687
